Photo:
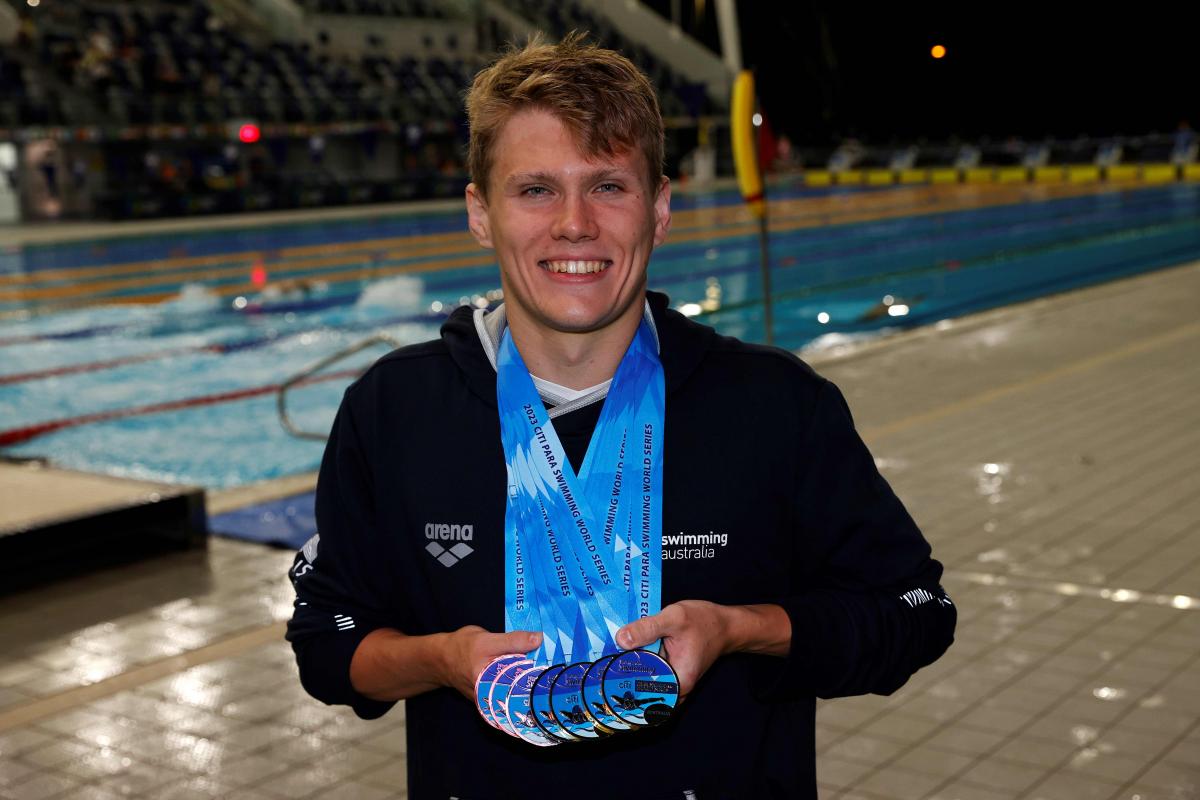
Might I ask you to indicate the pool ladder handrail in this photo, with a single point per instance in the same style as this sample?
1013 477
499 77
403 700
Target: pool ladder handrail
312 369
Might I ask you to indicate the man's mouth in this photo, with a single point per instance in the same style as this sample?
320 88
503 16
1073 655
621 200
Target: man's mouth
575 267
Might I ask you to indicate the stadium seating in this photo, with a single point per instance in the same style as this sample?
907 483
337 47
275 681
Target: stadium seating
163 87
678 96
175 63
375 8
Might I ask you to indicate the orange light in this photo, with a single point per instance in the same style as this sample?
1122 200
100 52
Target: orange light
248 133
938 51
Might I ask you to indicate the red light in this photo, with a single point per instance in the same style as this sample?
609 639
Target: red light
249 133
258 274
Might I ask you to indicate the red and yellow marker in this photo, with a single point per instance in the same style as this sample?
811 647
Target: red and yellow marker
745 157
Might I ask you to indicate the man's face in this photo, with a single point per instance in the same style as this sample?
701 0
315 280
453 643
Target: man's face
573 235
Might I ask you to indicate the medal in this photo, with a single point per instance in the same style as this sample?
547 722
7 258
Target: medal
520 715
567 704
539 703
595 698
498 696
640 687
483 686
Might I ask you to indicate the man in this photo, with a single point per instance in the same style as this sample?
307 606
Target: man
790 570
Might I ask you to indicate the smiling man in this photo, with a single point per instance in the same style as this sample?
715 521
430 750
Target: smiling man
741 530
573 233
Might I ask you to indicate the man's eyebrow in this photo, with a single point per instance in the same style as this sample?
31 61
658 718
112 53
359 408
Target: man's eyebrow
530 177
599 174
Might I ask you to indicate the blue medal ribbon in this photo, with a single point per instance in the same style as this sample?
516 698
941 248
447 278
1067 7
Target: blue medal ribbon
583 553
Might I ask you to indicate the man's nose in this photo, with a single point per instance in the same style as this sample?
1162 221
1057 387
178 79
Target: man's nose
575 221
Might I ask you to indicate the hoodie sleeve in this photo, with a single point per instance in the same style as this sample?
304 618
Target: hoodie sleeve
340 576
867 611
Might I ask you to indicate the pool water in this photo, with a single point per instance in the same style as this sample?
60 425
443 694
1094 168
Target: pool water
182 338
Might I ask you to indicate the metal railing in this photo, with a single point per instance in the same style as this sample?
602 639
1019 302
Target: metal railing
305 375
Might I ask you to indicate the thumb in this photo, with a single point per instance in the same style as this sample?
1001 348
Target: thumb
517 641
640 632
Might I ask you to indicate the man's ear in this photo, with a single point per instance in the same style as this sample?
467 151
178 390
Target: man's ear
662 211
477 216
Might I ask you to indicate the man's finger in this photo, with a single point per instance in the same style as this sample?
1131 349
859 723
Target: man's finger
640 633
517 641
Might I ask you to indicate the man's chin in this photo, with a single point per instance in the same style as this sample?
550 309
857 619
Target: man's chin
578 324
580 321
578 315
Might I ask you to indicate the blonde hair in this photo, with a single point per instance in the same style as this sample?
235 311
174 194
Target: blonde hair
606 102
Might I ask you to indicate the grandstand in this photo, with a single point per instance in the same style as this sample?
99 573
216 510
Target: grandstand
180 107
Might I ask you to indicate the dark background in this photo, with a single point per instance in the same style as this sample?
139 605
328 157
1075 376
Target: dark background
827 70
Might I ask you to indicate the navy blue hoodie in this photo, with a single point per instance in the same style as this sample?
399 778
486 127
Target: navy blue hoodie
770 497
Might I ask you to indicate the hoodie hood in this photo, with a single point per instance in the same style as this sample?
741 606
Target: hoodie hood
470 336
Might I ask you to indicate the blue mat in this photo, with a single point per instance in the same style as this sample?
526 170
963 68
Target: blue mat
288 523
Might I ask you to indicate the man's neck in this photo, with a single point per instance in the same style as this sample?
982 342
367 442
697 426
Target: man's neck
574 360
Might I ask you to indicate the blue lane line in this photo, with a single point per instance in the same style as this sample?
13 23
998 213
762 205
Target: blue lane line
121 248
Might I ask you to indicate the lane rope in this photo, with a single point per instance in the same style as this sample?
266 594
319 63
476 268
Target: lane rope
15 436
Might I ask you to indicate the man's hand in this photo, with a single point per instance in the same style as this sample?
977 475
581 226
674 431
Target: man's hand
696 633
469 649
389 665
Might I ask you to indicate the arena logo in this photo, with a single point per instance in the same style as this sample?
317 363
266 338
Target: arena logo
449 556
453 533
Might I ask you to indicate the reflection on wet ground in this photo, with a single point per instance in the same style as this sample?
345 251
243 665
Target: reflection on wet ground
1049 451
1052 465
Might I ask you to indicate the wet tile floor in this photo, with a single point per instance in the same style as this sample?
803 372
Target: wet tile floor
1048 450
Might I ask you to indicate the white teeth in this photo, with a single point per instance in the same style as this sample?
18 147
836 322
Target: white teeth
576 267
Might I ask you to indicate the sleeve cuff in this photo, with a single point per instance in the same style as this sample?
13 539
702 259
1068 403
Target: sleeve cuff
325 672
793 676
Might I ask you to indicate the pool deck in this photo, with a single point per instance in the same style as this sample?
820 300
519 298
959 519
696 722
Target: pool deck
1049 451
35 495
57 522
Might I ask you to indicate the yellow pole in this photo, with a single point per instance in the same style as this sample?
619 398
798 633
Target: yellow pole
750 181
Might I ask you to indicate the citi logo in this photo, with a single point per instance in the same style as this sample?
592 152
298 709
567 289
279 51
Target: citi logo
448 557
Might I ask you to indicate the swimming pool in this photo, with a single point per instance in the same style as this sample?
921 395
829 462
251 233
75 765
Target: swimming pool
157 357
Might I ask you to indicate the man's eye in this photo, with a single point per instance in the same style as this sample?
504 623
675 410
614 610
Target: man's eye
536 191
609 187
